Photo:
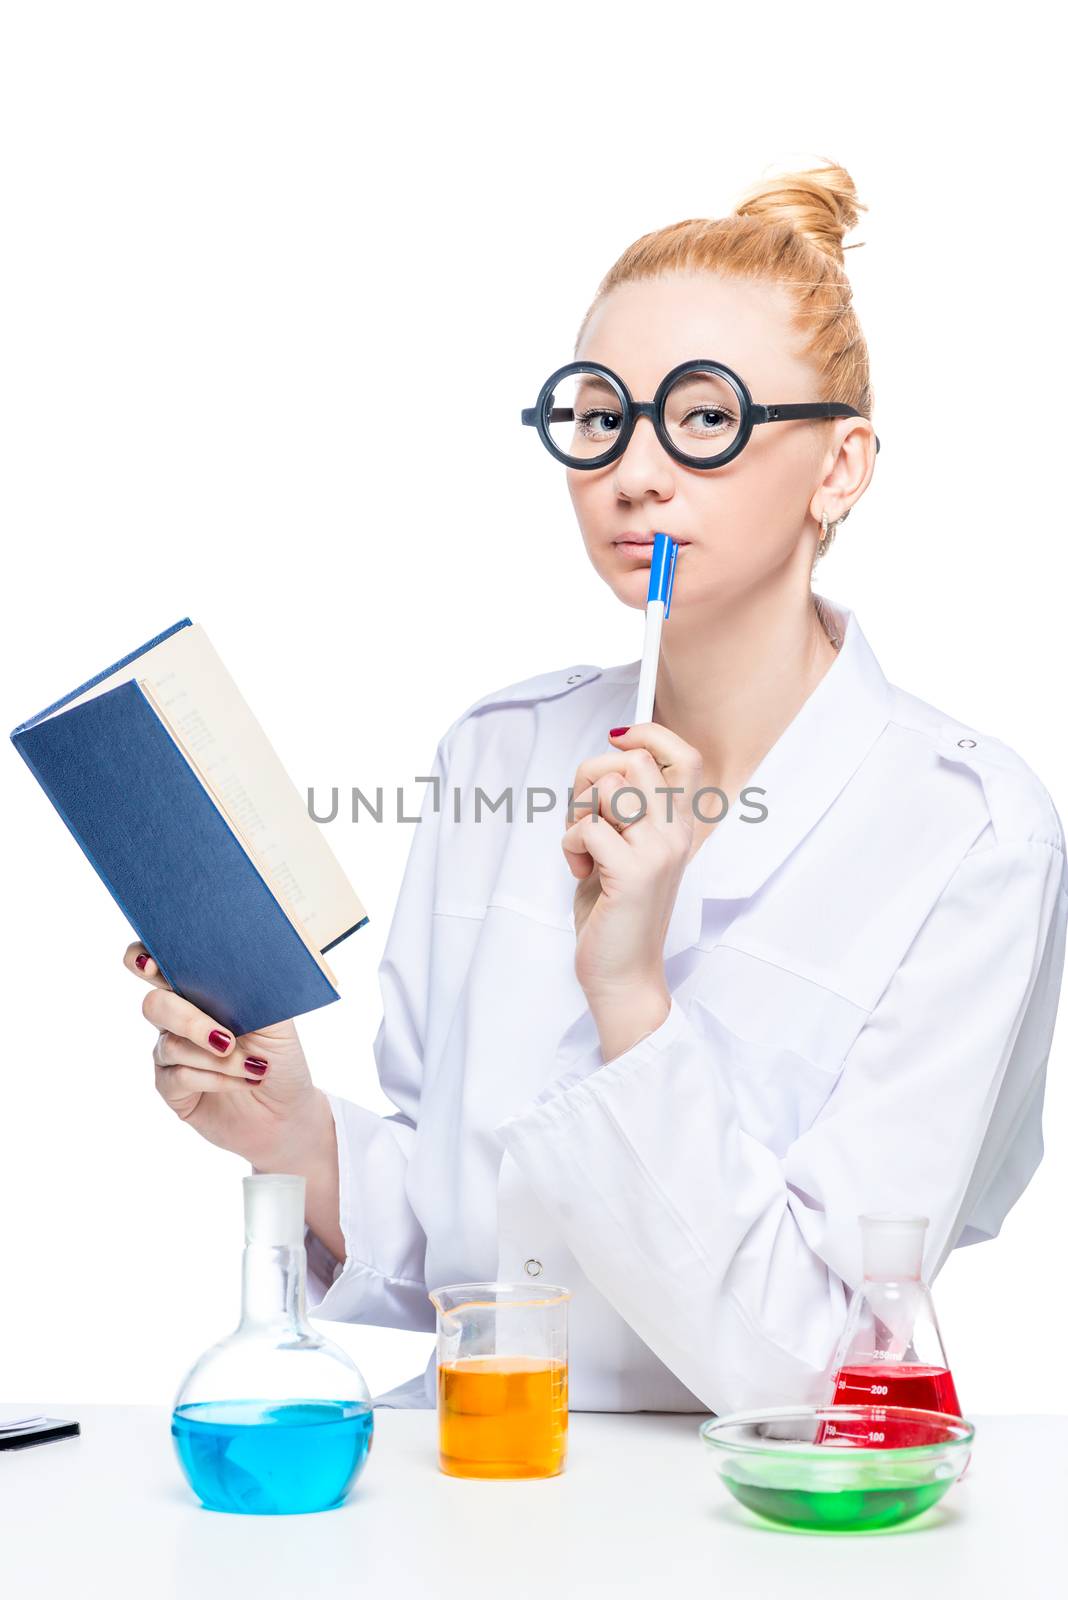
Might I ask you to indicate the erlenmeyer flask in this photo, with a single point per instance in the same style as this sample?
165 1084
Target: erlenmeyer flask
891 1350
273 1418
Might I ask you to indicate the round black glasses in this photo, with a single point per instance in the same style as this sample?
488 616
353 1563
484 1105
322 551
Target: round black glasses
702 412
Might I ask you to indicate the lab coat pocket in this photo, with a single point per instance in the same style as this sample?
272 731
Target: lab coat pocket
779 1041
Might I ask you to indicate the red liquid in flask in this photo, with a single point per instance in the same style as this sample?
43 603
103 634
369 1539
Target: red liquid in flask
898 1383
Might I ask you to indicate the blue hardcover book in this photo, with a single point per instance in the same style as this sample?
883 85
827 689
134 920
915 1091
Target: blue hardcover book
173 791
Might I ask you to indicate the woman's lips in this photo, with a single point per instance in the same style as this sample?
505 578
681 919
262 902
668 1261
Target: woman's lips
640 547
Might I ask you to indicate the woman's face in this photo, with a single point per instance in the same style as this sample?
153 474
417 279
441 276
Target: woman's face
738 525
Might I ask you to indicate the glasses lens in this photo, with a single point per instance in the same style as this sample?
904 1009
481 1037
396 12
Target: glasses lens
585 416
702 415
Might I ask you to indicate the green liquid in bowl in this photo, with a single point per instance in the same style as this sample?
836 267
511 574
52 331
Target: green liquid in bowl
792 1467
837 1510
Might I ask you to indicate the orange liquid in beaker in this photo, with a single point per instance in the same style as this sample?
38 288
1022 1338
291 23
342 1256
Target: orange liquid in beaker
502 1417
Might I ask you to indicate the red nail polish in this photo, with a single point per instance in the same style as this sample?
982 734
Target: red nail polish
219 1040
141 961
614 733
256 1064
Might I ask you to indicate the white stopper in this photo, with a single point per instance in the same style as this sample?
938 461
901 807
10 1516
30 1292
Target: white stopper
893 1245
274 1209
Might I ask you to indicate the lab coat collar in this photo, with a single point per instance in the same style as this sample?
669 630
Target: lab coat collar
804 771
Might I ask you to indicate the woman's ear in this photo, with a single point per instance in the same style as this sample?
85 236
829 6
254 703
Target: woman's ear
848 468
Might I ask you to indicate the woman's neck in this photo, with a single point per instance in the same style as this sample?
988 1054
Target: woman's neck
729 686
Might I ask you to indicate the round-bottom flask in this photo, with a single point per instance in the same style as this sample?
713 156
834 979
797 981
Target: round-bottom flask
273 1418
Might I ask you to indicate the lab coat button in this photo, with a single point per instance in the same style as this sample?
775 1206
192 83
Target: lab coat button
532 1267
966 744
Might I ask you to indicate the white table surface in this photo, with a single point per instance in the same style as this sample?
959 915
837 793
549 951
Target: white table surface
638 1510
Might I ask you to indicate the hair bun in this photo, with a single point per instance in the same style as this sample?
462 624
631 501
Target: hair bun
820 203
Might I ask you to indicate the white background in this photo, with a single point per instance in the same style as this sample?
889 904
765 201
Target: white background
255 257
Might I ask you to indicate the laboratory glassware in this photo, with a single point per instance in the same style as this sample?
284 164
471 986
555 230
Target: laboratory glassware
502 1379
891 1351
273 1418
894 1463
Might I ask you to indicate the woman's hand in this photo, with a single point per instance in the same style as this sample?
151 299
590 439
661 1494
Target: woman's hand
629 875
252 1095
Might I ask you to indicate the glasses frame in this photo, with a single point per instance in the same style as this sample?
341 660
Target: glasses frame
750 414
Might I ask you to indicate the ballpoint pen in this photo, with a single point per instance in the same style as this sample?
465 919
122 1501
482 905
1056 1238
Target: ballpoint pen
657 607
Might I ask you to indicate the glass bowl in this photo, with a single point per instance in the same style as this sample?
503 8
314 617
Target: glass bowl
839 1468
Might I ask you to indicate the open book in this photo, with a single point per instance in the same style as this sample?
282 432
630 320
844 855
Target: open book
169 784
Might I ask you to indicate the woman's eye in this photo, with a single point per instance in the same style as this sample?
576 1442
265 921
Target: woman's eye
707 419
597 424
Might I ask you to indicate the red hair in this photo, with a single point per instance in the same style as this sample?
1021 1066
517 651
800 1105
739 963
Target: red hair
788 231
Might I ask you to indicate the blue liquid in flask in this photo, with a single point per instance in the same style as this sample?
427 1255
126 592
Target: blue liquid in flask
266 1457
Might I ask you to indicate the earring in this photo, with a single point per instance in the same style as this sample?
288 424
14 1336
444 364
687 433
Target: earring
827 533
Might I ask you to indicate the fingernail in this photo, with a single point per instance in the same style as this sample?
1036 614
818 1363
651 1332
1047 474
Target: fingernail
256 1064
614 733
219 1040
141 961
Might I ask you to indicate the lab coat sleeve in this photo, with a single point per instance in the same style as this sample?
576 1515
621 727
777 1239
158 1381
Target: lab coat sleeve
381 1280
734 1263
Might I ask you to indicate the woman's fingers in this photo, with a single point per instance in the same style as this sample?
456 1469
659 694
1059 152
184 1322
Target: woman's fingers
645 785
173 1050
595 768
666 767
193 1055
588 843
630 788
140 962
598 800
182 1087
634 789
653 760
168 1011
628 791
679 761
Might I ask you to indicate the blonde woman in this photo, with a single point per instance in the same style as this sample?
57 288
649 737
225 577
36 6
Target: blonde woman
665 1052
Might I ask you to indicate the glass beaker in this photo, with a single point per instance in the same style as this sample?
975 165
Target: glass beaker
891 1351
274 1418
502 1379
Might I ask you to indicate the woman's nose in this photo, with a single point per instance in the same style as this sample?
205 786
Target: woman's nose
645 465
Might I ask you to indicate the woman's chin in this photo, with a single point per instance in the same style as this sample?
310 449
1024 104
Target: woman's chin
632 588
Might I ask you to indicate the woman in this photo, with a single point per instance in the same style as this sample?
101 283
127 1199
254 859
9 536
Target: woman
663 1069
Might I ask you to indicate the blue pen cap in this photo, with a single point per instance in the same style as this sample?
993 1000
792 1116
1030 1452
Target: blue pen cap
662 570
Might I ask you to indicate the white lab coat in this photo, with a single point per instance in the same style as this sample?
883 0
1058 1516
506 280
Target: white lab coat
864 987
